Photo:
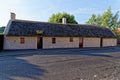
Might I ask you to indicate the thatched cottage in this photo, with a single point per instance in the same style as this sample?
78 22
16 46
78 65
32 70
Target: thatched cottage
21 34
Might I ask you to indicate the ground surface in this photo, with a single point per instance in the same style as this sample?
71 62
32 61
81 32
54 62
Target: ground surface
61 64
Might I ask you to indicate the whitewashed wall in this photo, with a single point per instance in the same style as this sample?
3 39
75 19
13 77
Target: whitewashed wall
14 43
109 42
61 42
91 42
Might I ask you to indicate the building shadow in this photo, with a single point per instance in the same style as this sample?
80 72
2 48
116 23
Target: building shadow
13 67
103 52
86 52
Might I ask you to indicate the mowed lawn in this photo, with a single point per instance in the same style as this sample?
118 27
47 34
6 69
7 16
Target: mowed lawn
61 64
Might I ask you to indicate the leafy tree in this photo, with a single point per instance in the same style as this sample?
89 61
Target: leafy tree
92 20
115 21
99 20
57 18
2 29
107 19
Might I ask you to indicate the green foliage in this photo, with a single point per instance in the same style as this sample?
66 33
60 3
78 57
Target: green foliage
117 32
57 18
2 29
92 20
107 19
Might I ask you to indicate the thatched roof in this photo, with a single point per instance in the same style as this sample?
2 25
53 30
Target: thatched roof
29 28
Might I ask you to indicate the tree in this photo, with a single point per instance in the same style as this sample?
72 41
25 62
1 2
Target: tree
57 18
92 20
107 19
2 29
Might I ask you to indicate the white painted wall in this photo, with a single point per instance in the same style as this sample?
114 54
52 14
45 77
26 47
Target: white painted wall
14 43
61 42
109 42
91 42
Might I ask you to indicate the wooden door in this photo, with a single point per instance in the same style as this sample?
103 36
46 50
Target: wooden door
39 42
101 42
80 42
1 41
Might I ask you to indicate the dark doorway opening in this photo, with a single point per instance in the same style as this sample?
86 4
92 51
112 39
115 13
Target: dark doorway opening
39 42
1 41
80 42
101 42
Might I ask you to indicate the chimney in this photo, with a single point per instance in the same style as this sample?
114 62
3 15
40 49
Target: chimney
13 16
64 20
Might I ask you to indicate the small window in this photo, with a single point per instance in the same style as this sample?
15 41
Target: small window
71 39
22 40
53 40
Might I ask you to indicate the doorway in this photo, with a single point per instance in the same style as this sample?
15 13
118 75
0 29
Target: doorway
39 42
1 41
80 42
101 42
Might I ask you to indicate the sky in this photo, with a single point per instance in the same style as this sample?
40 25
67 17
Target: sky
41 10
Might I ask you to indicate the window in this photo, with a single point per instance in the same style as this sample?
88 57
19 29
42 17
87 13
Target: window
53 40
22 40
71 39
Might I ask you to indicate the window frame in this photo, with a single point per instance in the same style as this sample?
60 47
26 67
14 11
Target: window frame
53 40
22 40
71 39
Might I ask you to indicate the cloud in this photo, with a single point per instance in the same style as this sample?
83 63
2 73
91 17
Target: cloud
87 11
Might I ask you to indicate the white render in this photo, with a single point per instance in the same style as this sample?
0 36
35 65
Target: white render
61 42
14 43
91 42
109 42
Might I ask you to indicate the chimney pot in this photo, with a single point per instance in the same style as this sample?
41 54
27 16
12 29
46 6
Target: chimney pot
13 16
64 20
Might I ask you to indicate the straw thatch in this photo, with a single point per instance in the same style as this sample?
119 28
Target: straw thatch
29 28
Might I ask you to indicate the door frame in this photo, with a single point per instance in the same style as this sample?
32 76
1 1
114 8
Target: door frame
1 42
101 42
81 42
39 42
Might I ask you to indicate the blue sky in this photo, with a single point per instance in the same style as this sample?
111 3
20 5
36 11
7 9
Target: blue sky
41 10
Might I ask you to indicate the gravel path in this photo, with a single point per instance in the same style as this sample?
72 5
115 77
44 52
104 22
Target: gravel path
62 65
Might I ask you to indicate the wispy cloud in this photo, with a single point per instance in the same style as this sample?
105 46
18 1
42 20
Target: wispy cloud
90 11
87 11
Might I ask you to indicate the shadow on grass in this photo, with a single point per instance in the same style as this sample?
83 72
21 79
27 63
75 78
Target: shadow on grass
13 67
